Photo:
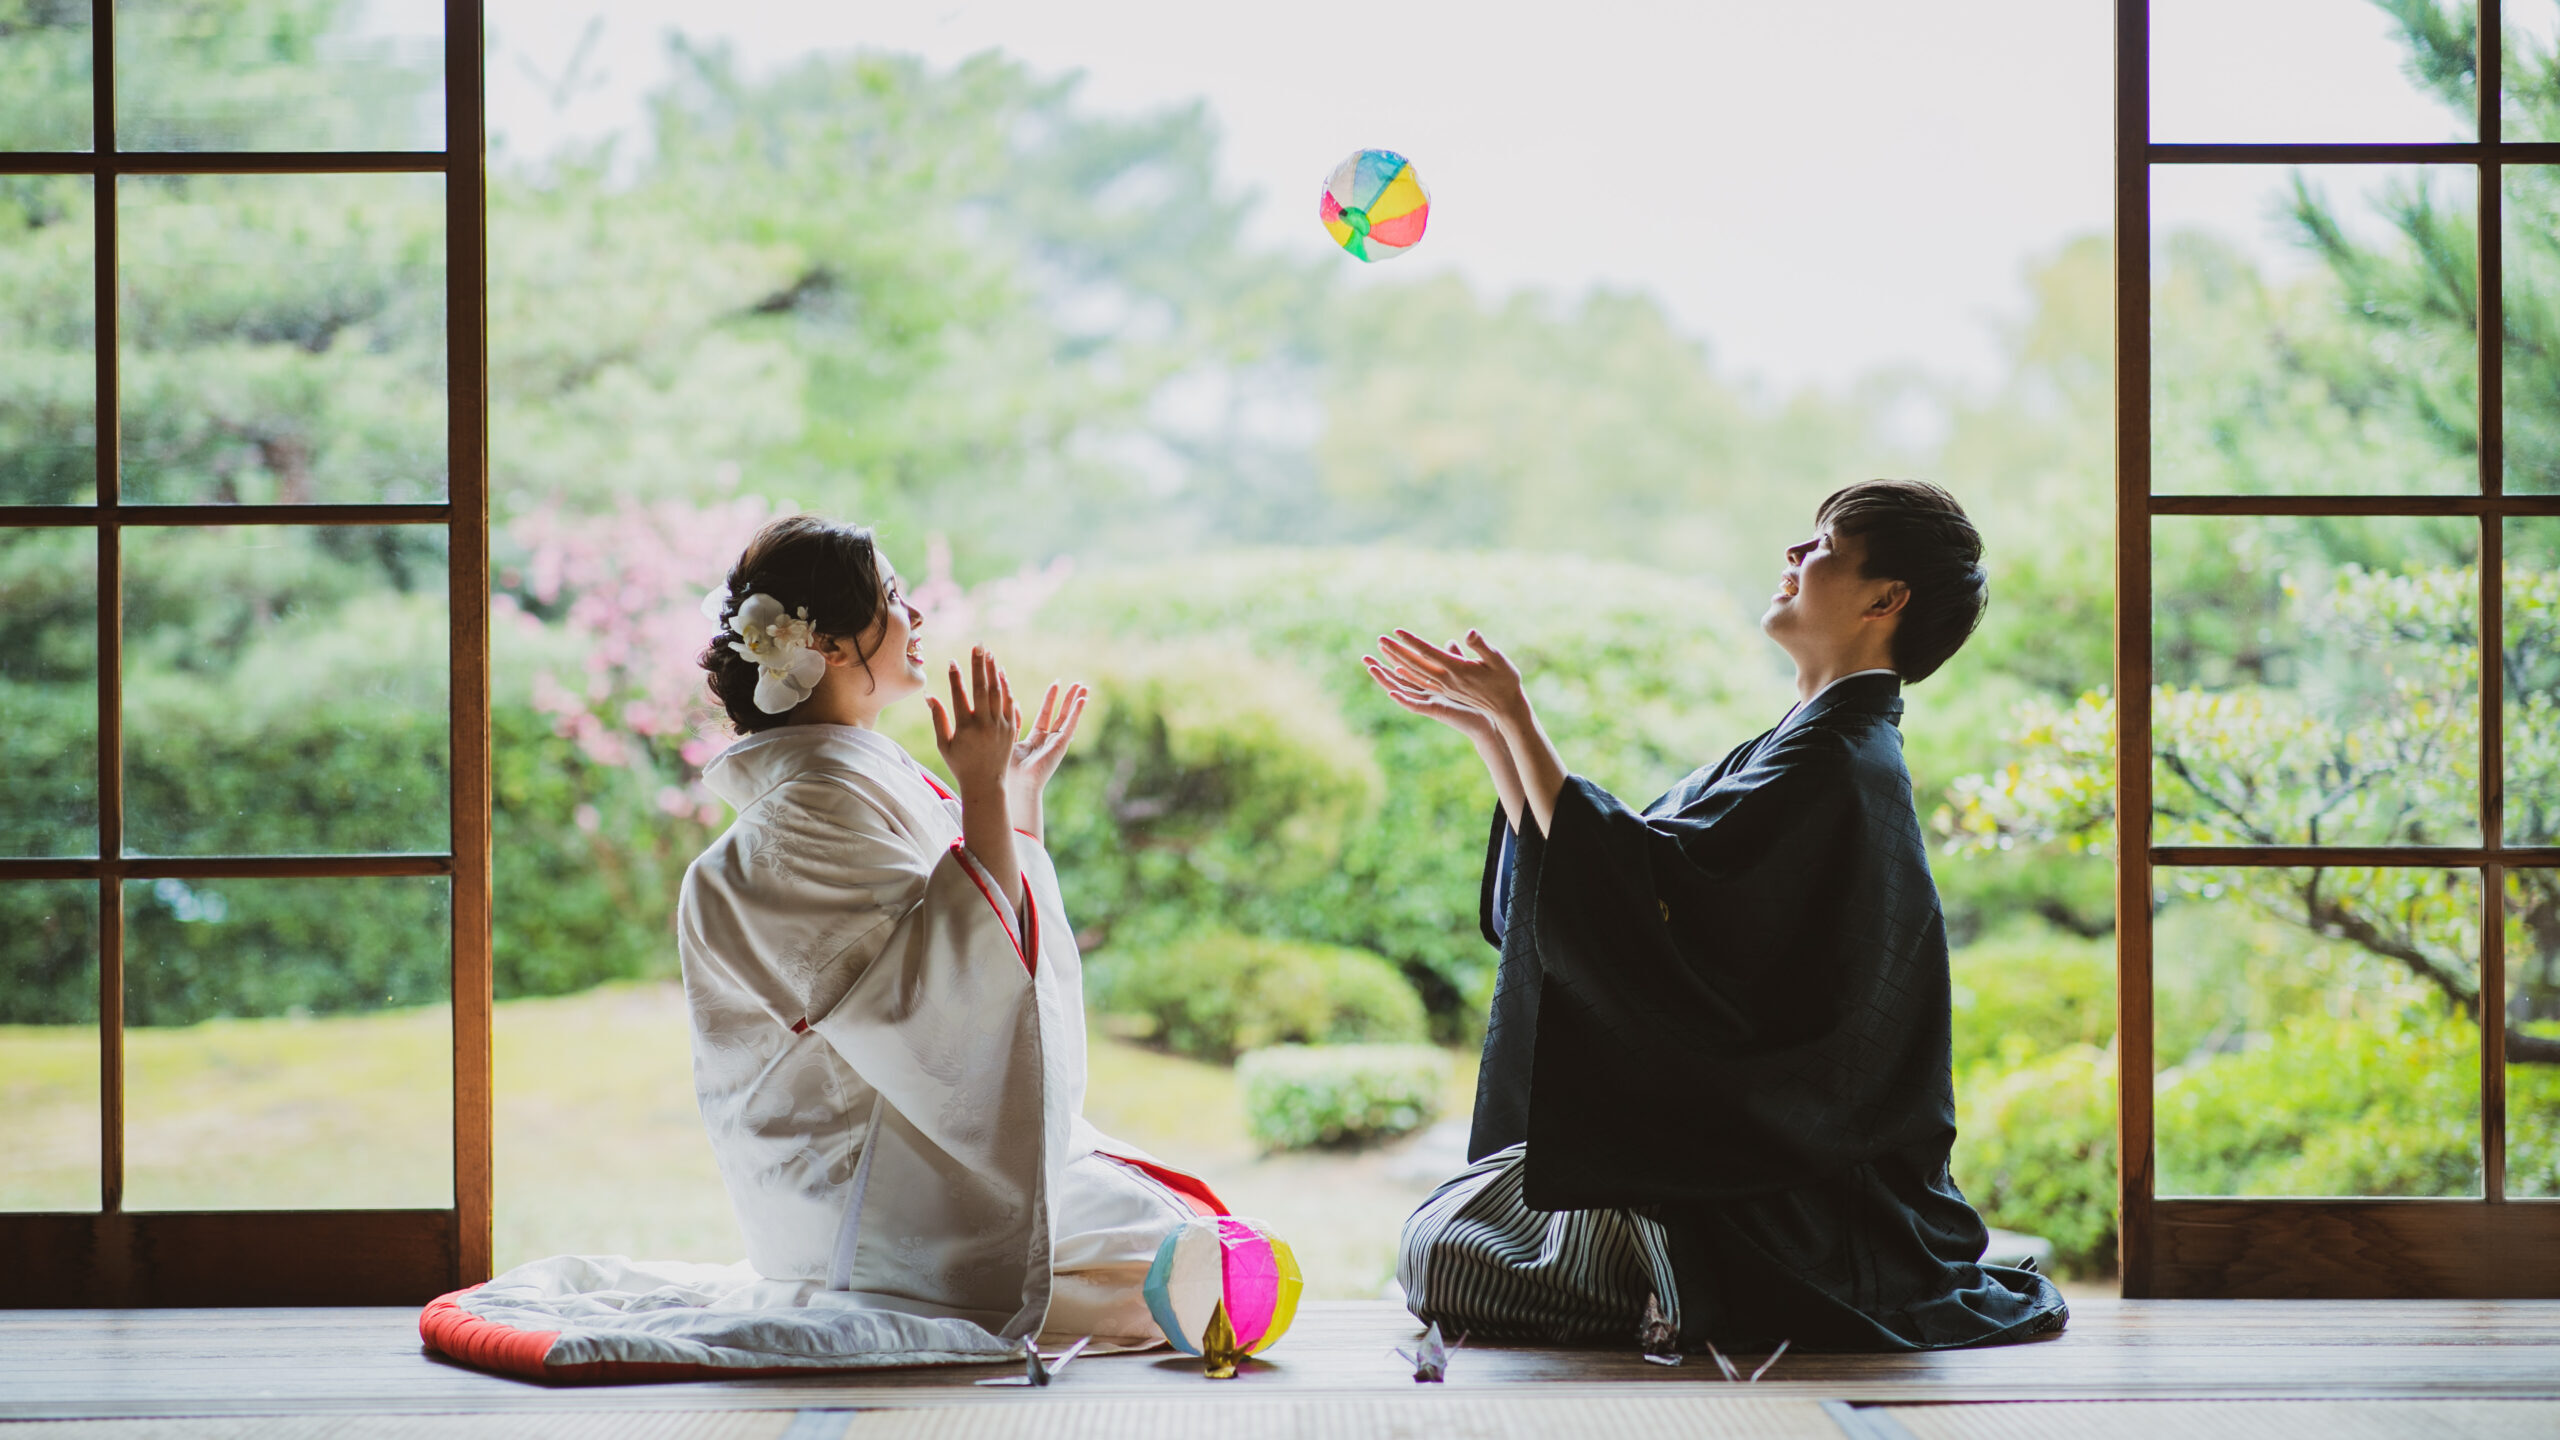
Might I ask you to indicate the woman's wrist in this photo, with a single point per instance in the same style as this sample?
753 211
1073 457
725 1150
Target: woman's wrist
987 804
1023 798
986 828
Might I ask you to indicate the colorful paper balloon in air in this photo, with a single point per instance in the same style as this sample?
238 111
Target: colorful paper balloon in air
1375 205
1223 1288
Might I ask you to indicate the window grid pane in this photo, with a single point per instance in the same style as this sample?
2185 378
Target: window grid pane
45 57
49 1085
356 76
288 1044
2314 1032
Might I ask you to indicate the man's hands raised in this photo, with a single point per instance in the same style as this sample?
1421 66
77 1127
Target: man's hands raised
1437 680
1479 696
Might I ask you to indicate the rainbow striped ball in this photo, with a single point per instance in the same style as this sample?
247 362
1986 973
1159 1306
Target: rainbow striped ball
1374 205
1223 1288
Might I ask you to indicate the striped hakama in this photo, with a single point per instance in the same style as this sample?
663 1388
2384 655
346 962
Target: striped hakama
1477 1260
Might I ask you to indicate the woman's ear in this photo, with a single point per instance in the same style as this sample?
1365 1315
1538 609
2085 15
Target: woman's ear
837 651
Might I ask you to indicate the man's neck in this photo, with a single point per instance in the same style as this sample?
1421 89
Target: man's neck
1813 679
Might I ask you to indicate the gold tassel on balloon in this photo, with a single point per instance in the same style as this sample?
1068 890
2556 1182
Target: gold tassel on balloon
1219 1352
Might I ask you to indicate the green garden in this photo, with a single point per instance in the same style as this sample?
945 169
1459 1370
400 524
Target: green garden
1024 338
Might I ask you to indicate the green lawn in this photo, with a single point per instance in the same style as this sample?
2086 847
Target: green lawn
598 1146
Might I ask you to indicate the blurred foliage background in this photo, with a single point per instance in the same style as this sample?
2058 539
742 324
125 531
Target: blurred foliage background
1022 337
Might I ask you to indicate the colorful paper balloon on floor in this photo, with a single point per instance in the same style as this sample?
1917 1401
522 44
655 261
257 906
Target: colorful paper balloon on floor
1375 206
1222 1289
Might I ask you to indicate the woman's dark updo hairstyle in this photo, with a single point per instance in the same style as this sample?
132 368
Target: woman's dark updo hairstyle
831 568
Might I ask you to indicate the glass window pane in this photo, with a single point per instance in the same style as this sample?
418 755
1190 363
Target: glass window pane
2530 52
282 75
285 690
2531 271
2311 330
288 1044
282 338
49 692
2314 1032
2307 70
44 75
2533 1033
2533 681
2317 681
48 340
49 1112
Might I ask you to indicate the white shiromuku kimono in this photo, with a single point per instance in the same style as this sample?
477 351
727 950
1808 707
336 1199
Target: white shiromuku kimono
891 1060
891 1063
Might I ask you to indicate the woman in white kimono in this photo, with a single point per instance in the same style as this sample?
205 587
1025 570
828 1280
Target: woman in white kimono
888 1025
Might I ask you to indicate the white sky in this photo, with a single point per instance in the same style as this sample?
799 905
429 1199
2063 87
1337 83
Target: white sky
1818 188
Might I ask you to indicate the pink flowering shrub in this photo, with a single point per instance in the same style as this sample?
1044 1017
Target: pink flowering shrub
615 603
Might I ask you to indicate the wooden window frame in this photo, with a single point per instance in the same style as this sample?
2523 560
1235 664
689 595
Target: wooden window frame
117 1257
2491 1246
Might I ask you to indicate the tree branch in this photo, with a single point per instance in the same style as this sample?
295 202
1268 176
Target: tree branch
2332 918
2329 917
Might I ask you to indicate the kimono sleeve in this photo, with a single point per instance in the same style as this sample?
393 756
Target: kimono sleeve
932 1003
1697 926
929 994
1493 903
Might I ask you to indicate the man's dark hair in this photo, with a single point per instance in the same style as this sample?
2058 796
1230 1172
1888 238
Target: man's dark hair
1916 533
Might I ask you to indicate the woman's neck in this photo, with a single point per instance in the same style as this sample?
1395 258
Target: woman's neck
840 700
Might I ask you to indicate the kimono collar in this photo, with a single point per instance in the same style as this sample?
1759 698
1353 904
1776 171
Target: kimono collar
743 773
1874 692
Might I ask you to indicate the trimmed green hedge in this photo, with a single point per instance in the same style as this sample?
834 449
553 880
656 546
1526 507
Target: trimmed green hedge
576 905
1215 994
1297 1096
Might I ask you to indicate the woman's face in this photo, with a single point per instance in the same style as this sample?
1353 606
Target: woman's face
895 643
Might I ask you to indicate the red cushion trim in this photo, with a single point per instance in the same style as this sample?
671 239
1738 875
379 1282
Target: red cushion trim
448 1329
1189 1187
457 1334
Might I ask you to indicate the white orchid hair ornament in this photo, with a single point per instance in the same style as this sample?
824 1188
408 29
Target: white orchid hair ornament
780 645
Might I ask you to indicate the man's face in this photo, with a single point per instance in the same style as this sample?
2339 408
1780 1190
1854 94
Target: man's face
1822 598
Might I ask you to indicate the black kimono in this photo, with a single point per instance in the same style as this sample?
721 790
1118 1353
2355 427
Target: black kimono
1730 1013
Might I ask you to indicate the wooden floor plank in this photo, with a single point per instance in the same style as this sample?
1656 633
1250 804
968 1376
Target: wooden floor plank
1437 1414
610 1425
2234 1420
73 1363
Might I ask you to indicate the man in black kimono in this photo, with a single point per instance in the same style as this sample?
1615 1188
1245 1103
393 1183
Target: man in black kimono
1717 1073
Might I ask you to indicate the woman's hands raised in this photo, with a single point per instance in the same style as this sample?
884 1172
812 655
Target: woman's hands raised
976 734
1001 769
1037 753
